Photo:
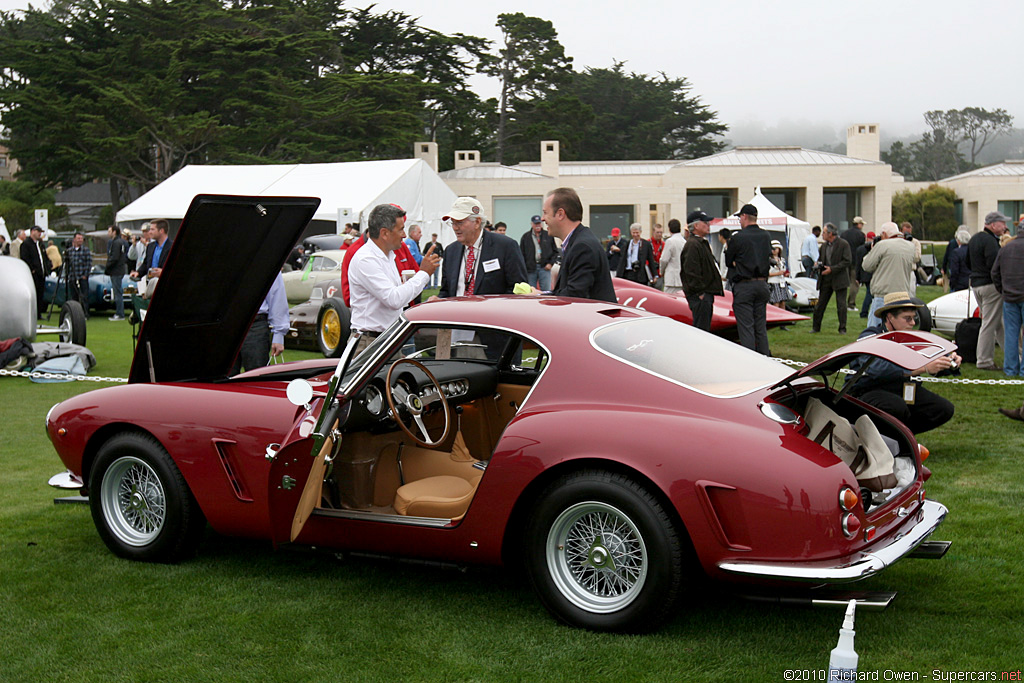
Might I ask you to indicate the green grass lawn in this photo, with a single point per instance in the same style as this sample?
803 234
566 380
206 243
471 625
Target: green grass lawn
70 610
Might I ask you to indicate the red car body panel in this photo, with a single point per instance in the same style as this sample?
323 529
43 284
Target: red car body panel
723 320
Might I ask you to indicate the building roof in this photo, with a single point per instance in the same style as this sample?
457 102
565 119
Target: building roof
91 194
740 156
490 170
775 156
1010 168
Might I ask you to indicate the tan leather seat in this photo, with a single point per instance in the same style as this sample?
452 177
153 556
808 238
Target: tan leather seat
443 496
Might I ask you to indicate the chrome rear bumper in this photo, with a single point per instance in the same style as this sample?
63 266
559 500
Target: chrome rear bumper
856 567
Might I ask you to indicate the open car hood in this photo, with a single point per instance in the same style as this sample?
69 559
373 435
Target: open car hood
221 265
910 350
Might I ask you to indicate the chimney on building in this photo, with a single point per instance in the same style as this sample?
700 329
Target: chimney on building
426 151
464 158
549 158
862 141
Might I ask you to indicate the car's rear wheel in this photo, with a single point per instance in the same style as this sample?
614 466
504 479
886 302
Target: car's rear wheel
333 326
72 323
141 505
603 554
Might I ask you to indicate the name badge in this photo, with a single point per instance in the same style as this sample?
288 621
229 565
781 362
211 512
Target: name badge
492 265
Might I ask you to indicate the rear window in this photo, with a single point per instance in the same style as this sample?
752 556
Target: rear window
684 355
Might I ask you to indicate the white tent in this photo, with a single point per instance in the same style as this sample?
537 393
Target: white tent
789 230
357 186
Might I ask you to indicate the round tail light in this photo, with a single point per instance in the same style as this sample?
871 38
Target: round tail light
851 525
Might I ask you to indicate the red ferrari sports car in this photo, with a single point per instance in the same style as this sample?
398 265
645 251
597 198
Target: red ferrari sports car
605 450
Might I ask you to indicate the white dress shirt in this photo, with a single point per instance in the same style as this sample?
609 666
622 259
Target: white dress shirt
376 289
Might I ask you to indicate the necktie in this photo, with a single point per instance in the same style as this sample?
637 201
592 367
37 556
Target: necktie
470 267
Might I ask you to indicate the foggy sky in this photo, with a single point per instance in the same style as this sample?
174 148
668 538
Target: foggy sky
782 65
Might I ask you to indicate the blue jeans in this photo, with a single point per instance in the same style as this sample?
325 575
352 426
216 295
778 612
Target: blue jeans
1013 317
876 303
115 284
540 278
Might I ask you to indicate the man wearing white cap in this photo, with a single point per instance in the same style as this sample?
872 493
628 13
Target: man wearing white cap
479 261
377 292
891 262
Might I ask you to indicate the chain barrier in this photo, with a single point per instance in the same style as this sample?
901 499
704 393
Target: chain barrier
62 376
786 361
942 380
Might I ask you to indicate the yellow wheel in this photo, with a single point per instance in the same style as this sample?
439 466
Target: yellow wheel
333 328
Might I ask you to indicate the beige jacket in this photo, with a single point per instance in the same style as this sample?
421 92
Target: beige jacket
891 263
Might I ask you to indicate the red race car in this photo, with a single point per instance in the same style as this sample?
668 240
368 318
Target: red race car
723 320
606 450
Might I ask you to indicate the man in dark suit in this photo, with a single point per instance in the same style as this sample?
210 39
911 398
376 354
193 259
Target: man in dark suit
584 271
157 249
479 261
637 262
34 255
616 249
835 259
540 253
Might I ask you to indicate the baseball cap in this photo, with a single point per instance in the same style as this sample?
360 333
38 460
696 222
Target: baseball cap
616 232
994 217
748 209
870 236
535 219
858 219
463 208
695 216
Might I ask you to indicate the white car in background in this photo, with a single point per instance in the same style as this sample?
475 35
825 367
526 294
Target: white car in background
804 291
950 309
321 267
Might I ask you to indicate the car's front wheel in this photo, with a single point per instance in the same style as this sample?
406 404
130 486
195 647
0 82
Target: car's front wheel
141 505
603 554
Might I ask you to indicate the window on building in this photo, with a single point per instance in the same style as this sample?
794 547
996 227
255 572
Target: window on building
1013 209
840 206
604 217
516 212
785 199
717 203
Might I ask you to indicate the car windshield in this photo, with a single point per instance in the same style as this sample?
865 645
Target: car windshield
685 355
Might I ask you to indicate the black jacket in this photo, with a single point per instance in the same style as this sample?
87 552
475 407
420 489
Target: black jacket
1008 271
613 259
548 250
748 253
981 256
645 262
584 273
117 257
863 276
699 271
959 273
836 255
31 251
499 266
150 248
855 238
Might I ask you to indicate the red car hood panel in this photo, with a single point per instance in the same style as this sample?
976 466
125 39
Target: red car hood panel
222 263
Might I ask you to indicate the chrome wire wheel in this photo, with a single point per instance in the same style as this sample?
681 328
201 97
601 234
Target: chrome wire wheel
596 557
133 500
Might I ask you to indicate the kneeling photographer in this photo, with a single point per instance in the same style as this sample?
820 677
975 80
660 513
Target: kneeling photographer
889 387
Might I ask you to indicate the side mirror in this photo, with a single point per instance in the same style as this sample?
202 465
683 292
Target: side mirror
299 392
